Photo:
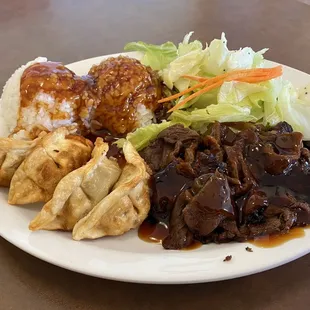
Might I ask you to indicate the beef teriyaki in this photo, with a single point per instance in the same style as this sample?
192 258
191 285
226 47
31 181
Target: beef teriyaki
238 182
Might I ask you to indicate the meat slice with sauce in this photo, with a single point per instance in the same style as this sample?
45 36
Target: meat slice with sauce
236 183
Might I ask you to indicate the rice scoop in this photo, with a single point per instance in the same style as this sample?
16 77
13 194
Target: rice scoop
41 95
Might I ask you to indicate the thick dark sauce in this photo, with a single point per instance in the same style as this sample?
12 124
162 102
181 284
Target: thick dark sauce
114 151
194 246
276 240
152 231
166 186
294 182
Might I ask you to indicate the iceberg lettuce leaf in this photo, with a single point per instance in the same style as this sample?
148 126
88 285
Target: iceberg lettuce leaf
157 57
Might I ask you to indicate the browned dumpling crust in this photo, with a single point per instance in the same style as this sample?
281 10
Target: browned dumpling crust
125 207
58 154
79 191
12 154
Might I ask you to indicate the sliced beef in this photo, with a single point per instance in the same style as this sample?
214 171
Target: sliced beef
207 162
179 133
238 168
210 205
166 186
302 210
282 127
237 182
179 235
172 143
274 225
250 205
228 230
304 160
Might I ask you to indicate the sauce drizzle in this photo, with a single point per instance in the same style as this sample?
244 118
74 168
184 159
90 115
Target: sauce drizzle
153 232
277 240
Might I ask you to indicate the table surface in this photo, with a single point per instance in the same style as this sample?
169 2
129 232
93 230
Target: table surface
71 30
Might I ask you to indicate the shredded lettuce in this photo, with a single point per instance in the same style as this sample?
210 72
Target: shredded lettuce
220 59
142 136
267 102
157 57
188 62
216 112
191 58
294 108
171 61
185 47
234 92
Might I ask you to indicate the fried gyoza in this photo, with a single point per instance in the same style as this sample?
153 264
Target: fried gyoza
12 154
125 207
58 154
79 191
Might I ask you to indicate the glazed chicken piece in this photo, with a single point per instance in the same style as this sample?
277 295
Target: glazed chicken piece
126 93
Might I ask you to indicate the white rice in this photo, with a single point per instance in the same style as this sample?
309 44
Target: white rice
144 115
10 99
31 115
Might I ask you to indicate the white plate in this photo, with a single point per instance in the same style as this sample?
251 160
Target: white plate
127 258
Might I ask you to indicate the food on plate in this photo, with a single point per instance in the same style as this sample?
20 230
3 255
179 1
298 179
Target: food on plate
125 208
42 95
79 191
12 154
237 182
54 157
127 92
206 141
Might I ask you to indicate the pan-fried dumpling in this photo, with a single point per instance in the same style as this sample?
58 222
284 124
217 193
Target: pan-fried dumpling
79 191
58 154
125 207
12 154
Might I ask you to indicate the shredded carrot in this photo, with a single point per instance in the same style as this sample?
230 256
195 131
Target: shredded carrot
196 94
246 72
194 78
255 75
184 92
255 79
199 85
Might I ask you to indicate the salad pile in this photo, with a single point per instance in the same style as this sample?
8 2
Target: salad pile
206 85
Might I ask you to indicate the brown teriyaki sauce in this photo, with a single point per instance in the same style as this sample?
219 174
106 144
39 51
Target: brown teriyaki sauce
270 241
152 231
114 151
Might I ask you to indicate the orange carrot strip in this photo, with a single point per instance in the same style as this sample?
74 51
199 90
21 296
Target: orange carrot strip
255 79
199 85
196 94
195 78
258 79
184 92
258 70
257 73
